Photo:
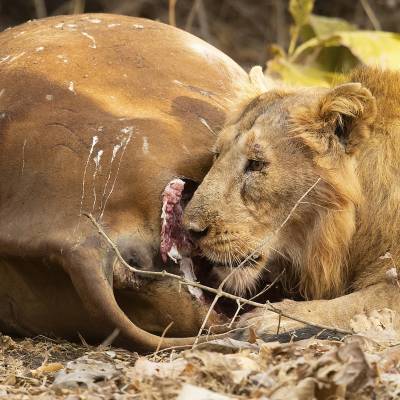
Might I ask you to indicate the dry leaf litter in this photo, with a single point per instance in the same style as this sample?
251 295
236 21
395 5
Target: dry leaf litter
362 366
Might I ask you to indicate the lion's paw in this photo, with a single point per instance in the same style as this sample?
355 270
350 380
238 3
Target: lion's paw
266 324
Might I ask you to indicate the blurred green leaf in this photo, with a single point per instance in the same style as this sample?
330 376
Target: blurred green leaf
298 75
300 11
333 48
319 26
369 47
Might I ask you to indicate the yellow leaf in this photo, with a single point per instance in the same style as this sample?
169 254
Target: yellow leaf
324 26
297 75
300 11
369 47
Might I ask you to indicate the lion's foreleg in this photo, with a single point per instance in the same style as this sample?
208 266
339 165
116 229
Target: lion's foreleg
336 313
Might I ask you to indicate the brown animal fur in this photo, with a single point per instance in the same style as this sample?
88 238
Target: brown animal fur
144 96
347 139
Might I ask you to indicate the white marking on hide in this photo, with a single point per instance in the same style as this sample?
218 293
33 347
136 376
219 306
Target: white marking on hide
138 26
62 58
91 38
71 87
94 20
95 139
128 131
97 168
23 158
185 149
114 153
205 123
12 59
145 146
40 48
196 89
59 25
113 25
4 59
49 97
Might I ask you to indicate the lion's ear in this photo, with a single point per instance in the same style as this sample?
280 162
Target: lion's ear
350 110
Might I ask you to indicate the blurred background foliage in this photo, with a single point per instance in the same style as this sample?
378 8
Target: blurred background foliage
304 42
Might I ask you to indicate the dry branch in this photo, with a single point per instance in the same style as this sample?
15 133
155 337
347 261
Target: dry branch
371 15
40 8
78 6
268 306
171 12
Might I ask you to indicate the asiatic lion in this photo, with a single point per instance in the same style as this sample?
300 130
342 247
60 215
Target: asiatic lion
307 179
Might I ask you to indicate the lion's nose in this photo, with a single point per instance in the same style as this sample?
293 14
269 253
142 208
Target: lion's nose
197 231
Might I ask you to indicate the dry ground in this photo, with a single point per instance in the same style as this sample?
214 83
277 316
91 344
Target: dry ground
357 368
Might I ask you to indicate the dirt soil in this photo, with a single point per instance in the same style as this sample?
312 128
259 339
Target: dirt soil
356 368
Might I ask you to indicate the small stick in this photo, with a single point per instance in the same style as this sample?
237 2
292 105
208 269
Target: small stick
239 307
171 12
214 302
40 8
78 6
163 336
109 339
279 323
269 286
192 14
269 237
371 15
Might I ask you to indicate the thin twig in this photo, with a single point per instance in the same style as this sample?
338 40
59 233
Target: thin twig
203 22
78 6
40 8
280 22
171 12
269 237
187 282
371 15
239 307
163 336
279 324
269 286
212 305
109 340
293 40
192 14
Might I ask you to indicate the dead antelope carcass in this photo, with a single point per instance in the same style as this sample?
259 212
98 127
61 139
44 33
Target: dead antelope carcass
97 114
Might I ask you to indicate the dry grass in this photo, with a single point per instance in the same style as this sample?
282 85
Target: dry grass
357 369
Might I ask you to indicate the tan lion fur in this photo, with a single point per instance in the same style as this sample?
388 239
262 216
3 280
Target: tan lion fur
347 139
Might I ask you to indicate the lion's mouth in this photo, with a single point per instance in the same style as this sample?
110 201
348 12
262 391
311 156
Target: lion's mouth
178 249
228 260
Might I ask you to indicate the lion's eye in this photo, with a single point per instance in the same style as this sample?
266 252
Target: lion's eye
255 165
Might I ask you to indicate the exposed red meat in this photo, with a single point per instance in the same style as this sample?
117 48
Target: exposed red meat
175 243
174 239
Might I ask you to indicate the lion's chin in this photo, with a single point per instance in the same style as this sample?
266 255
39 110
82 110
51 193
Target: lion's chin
242 281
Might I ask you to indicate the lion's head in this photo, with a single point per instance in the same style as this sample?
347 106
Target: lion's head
283 188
